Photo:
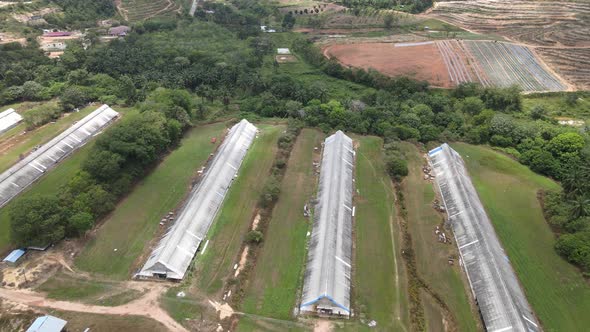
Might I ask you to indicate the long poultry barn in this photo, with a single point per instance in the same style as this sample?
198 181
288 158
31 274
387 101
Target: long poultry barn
501 300
175 251
9 119
327 280
32 167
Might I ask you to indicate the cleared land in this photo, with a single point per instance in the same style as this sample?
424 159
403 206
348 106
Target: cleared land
232 223
572 63
431 255
534 22
377 296
137 10
139 214
276 278
556 290
422 62
448 63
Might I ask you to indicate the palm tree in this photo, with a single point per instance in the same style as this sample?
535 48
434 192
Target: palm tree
580 207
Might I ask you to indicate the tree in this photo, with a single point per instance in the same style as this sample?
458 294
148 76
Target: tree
36 221
389 21
566 143
254 237
575 248
396 166
580 207
32 90
538 112
471 105
288 21
72 98
80 223
103 165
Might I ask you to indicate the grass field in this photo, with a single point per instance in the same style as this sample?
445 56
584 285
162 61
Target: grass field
378 295
233 221
136 219
556 290
68 288
431 255
47 185
557 107
23 144
275 280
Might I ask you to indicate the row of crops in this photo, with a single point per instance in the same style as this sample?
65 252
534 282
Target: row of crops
509 64
138 10
572 63
456 67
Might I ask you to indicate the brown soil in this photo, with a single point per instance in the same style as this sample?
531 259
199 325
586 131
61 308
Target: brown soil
285 58
422 62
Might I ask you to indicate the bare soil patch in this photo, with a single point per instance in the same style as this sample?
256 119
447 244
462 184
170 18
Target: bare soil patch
421 62
285 58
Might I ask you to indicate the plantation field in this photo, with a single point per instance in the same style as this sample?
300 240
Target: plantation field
448 63
572 63
432 256
233 221
274 282
135 221
537 22
13 143
556 290
138 10
379 283
47 185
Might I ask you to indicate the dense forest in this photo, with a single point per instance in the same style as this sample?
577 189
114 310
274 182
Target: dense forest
174 70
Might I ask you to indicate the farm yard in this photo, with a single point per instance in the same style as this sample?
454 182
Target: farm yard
138 10
447 63
547 23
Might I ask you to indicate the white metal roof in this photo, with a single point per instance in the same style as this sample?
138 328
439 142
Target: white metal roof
33 166
500 298
177 248
9 119
327 277
47 324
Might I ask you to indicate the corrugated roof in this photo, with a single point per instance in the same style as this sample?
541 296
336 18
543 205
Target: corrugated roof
47 324
327 277
14 256
9 119
500 298
177 248
33 166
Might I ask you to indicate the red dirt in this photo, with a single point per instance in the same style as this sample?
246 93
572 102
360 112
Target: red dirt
422 62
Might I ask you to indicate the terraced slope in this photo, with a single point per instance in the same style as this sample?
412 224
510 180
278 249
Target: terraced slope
138 10
573 64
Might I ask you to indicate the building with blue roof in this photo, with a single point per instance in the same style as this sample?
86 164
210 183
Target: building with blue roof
47 324
14 256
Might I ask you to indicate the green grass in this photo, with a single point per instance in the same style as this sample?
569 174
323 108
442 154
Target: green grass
275 280
557 107
432 256
47 185
63 286
24 143
136 219
556 290
379 285
233 221
262 324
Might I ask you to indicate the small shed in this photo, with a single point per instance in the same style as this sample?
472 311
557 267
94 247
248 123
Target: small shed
14 256
283 51
121 30
47 324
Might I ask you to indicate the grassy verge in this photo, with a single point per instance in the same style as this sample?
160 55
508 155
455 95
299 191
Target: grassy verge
275 279
556 290
232 223
431 255
135 221
378 295
24 143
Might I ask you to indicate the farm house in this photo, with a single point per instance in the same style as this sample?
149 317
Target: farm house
9 119
501 300
172 257
32 167
326 286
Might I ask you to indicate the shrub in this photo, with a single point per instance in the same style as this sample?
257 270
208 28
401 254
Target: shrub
254 237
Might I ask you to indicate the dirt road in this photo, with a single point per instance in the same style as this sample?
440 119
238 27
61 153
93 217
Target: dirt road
146 305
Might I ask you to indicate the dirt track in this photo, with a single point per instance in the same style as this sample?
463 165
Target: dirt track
146 305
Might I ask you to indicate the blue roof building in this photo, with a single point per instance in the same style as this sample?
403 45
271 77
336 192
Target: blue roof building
14 256
47 324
